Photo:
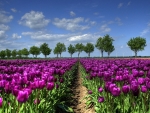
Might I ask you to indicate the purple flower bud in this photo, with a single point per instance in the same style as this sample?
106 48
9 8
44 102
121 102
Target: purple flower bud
36 101
1 102
22 96
50 86
125 89
143 89
89 92
100 99
100 89
61 80
41 84
141 73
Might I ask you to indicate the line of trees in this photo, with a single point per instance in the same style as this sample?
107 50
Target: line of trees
103 44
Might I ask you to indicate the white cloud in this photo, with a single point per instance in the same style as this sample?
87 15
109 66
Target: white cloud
34 20
13 10
121 46
93 22
15 36
4 18
128 3
120 5
118 20
83 38
96 13
2 34
4 27
72 13
101 16
40 35
70 24
145 31
148 24
104 28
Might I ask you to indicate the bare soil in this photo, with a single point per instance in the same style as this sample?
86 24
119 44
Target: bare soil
79 91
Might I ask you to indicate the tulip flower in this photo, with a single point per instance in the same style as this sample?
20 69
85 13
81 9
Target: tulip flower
1 102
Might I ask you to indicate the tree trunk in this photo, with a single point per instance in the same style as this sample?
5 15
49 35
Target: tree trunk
57 55
45 56
102 53
60 55
78 54
71 55
36 56
108 54
89 54
135 53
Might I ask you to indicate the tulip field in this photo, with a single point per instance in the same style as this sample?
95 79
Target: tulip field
117 86
38 86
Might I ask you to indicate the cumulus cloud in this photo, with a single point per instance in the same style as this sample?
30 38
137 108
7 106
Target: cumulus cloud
120 5
70 24
145 31
40 35
15 36
72 13
34 20
83 38
104 28
13 10
4 27
2 34
4 18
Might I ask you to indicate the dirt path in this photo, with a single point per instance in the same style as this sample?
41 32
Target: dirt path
80 92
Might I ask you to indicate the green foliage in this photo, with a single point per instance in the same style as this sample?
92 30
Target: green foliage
79 48
55 51
19 53
14 53
45 49
34 50
25 52
3 54
8 53
100 45
108 44
137 44
60 47
71 49
89 48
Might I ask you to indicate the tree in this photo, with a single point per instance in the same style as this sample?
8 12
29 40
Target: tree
100 45
79 48
25 52
19 53
45 49
14 53
56 51
108 44
89 48
8 53
34 51
60 47
71 49
3 54
137 44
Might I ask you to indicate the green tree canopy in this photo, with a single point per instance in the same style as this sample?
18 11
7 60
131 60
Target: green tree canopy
19 53
2 54
137 44
60 47
71 49
14 53
55 51
89 48
79 48
108 44
45 49
34 50
100 45
8 53
25 52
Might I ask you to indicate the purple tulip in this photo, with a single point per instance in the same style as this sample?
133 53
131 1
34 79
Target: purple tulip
125 89
1 102
101 99
50 85
115 91
36 101
89 92
22 96
144 89
141 81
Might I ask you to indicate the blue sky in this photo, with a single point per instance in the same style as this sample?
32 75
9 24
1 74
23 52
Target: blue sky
24 23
